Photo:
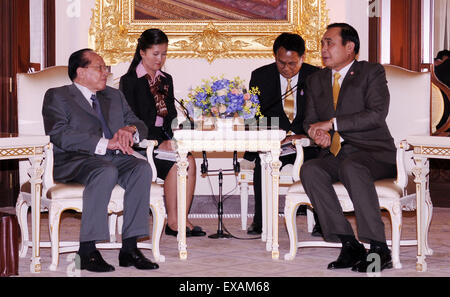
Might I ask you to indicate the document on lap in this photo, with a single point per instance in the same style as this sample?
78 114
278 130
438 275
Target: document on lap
166 155
139 156
287 149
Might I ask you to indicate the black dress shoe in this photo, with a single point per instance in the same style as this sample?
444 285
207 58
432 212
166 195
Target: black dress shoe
317 231
169 231
137 259
385 260
351 253
196 231
254 229
94 262
301 210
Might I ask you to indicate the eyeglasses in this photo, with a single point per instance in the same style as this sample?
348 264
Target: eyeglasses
101 68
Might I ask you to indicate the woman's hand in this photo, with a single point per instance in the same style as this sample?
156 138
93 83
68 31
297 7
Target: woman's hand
167 145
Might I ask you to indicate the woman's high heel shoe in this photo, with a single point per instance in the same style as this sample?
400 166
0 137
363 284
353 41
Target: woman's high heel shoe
169 231
196 231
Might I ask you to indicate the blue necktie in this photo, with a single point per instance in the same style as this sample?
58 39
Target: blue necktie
98 110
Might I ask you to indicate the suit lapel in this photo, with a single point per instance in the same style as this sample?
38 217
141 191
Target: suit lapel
144 92
299 92
81 100
279 110
105 105
352 73
327 88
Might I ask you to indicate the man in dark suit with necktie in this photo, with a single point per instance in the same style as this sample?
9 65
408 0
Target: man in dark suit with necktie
92 129
346 108
282 98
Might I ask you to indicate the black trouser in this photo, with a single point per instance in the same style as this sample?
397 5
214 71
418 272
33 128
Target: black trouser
309 153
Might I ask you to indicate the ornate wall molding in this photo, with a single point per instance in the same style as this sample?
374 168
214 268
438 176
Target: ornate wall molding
114 32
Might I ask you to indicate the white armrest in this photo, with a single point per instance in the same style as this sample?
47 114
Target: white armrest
150 145
145 143
299 144
402 175
47 178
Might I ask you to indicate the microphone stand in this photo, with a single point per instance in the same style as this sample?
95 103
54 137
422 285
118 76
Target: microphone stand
220 233
186 113
204 169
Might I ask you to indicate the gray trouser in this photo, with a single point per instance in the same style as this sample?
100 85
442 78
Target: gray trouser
100 174
357 171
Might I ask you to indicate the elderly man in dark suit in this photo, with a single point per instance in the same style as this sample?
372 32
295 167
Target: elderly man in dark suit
282 98
346 108
92 129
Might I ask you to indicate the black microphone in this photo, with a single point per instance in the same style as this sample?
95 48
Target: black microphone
186 112
280 99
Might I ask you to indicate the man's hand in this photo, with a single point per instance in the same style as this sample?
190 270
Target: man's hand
292 137
325 126
322 138
123 140
125 135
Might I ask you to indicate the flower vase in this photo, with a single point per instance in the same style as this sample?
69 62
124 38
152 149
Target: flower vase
205 123
223 124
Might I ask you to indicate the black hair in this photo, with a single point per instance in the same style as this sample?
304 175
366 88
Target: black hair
291 42
78 59
348 33
147 39
442 54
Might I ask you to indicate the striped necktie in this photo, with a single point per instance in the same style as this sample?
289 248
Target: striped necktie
335 146
289 101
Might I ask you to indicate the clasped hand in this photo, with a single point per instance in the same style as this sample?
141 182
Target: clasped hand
122 140
290 138
319 133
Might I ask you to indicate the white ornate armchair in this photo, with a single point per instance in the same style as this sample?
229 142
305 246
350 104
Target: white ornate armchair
58 197
245 177
409 114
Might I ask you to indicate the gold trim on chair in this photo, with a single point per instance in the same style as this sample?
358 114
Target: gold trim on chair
432 150
24 152
114 31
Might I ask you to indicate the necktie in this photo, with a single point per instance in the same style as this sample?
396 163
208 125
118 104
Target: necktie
96 107
335 146
289 101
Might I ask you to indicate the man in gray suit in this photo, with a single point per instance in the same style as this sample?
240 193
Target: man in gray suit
92 130
346 108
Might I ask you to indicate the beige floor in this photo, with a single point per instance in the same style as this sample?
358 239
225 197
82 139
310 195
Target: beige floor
248 258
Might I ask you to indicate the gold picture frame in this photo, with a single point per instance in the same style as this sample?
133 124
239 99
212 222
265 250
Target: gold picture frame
114 31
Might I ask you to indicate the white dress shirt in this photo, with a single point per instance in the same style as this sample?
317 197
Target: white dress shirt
284 83
343 73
